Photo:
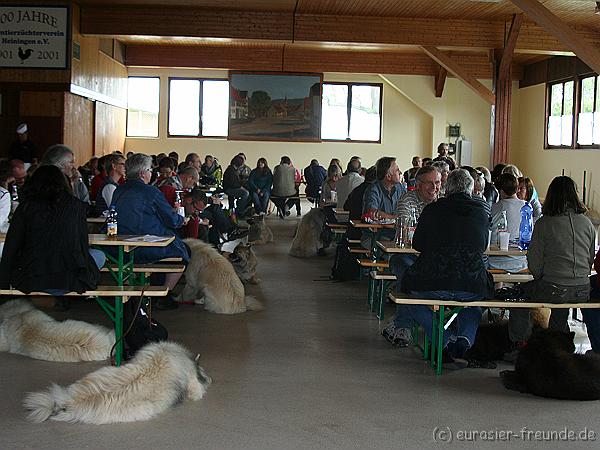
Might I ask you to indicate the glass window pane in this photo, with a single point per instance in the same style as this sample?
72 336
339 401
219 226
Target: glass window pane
215 106
568 103
554 130
587 95
585 128
184 108
596 129
556 99
364 113
334 122
566 130
142 106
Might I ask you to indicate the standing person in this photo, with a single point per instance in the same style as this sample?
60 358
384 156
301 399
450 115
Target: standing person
116 171
259 183
443 156
559 257
23 148
349 181
234 189
284 185
46 246
142 209
450 264
210 172
314 175
409 175
427 189
63 157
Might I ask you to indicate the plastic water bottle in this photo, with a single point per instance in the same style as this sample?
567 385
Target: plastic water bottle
399 239
111 221
410 227
179 205
526 226
14 198
502 225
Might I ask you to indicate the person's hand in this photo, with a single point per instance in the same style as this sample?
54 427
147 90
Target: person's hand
204 221
75 175
186 220
216 200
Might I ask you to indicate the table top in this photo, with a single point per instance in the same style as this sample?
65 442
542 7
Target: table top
390 247
96 219
371 226
128 241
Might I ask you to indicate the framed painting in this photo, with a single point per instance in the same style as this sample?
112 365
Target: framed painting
275 106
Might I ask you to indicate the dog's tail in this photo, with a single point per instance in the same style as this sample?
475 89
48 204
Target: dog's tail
252 304
47 404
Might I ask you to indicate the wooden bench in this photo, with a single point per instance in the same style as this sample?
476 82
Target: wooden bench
441 321
150 268
378 283
114 312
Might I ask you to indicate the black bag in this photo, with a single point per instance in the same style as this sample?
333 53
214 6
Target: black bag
144 329
345 267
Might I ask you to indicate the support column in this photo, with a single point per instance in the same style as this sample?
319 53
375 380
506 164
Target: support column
501 118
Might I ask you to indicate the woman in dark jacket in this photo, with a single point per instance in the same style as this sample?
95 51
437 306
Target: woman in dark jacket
46 246
259 183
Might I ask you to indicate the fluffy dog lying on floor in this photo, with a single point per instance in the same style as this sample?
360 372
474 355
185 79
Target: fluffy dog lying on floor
308 240
160 375
28 331
210 272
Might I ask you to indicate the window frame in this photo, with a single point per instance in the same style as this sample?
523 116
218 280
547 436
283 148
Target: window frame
159 109
349 110
577 93
200 102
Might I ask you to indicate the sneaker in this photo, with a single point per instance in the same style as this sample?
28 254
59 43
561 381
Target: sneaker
237 233
512 356
398 337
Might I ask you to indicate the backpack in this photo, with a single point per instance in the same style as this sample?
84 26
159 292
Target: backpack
144 329
345 267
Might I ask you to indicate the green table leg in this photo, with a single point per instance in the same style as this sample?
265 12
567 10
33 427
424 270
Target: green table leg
119 329
440 338
434 331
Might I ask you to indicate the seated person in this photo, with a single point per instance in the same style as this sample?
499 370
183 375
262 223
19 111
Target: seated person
490 193
426 191
259 183
329 186
381 198
314 175
46 246
98 182
142 209
444 169
354 203
63 157
115 167
166 174
591 316
244 170
507 185
209 211
349 181
284 185
525 192
232 184
450 264
187 179
409 175
210 172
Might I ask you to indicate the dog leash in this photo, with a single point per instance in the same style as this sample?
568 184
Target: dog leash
111 356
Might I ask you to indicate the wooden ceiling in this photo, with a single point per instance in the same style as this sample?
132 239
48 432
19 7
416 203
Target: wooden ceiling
343 35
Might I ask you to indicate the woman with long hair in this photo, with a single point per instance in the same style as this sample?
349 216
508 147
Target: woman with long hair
334 173
559 257
259 184
525 192
46 246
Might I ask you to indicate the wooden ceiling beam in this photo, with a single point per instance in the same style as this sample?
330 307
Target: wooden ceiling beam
590 54
440 80
509 48
451 66
114 20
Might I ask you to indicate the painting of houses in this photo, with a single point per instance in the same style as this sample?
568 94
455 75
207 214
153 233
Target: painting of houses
275 106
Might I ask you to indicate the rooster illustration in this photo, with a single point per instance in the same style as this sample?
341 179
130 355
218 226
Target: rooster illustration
25 54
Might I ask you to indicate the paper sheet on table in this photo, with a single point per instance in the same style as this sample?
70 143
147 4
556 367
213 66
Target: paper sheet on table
148 238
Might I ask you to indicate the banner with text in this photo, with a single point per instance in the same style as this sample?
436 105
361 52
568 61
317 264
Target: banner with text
34 37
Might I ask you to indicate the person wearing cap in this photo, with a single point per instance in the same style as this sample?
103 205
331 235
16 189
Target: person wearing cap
23 148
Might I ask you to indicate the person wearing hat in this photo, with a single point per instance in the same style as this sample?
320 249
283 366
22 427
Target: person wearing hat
23 148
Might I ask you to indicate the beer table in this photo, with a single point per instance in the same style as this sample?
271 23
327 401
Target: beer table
390 247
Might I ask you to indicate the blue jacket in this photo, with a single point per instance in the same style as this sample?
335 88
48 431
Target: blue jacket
259 181
143 209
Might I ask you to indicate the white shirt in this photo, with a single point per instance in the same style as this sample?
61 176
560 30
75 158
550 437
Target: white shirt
107 193
5 202
345 185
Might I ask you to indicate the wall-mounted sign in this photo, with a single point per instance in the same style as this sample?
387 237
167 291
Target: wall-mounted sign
34 37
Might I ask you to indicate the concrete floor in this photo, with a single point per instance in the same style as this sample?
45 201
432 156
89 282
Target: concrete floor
309 372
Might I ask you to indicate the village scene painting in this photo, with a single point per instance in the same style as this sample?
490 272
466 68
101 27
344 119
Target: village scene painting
275 107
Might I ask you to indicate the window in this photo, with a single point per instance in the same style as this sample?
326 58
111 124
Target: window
143 95
560 119
588 122
351 112
198 107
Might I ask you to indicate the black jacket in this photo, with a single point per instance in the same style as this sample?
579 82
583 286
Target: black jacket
231 178
47 248
451 236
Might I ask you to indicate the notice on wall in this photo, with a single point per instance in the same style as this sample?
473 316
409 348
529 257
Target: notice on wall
34 37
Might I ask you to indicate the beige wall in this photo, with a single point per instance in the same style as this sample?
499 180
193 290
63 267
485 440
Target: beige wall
414 122
543 165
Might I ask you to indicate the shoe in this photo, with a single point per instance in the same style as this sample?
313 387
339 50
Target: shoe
451 363
166 303
512 356
237 233
62 304
298 213
398 337
321 252
459 348
287 212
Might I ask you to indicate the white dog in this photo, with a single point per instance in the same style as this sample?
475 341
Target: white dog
210 272
28 331
160 375
308 240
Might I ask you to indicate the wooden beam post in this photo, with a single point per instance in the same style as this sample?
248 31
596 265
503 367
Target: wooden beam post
440 80
500 132
553 25
446 62
509 47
